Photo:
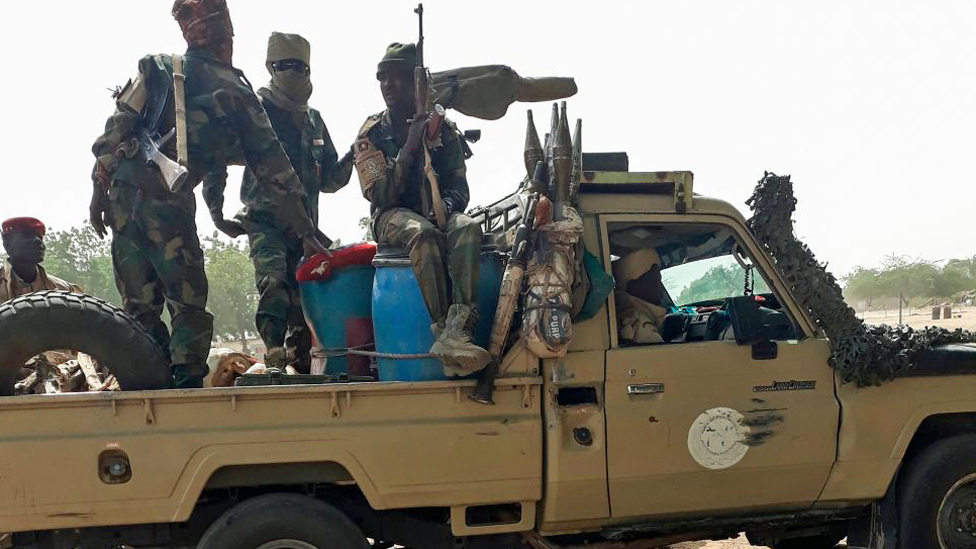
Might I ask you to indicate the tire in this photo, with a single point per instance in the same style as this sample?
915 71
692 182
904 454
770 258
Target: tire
283 521
45 321
937 495
814 542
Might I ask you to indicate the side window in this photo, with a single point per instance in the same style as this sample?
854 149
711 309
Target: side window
675 282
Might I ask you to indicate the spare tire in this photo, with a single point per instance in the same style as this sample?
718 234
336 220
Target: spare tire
45 321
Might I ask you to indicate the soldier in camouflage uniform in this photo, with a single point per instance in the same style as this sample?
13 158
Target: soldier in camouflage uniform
275 250
155 250
389 160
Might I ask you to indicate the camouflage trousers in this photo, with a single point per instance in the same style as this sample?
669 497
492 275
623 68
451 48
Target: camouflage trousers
158 261
444 262
279 319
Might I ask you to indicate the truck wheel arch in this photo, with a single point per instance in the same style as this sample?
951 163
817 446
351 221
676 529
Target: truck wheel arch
224 466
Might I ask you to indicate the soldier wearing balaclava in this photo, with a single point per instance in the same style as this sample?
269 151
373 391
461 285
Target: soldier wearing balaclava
275 250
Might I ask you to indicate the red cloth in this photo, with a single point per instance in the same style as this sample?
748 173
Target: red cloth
320 266
25 224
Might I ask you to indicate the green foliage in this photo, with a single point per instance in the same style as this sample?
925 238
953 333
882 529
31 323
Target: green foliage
911 278
233 298
719 282
78 256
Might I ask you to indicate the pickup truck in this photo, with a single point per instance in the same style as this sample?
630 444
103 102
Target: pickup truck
614 446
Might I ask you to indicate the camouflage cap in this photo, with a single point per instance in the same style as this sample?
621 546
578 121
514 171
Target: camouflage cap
203 21
400 56
283 46
23 224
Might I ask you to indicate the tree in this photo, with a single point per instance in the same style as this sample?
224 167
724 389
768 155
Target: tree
233 298
719 282
78 256
366 225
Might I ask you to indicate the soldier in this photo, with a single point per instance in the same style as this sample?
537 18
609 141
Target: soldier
275 250
640 290
218 121
22 273
389 159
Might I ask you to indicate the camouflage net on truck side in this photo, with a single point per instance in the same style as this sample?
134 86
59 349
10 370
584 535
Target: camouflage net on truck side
866 355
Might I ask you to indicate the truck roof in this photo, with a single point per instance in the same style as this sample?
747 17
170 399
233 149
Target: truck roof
648 192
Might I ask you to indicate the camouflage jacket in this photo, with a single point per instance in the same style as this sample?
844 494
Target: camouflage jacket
12 287
447 159
309 147
226 125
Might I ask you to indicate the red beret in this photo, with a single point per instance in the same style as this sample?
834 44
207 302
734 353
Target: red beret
26 224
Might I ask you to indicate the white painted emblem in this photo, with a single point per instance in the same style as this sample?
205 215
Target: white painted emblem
716 438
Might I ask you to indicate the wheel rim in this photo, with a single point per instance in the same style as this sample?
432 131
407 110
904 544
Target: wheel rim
957 515
286 544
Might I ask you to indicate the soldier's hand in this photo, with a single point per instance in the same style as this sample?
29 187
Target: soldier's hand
312 246
415 134
230 227
97 210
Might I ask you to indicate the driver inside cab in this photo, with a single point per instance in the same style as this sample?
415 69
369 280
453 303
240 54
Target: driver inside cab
639 292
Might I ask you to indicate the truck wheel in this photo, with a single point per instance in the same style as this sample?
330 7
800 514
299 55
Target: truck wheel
283 521
46 321
937 497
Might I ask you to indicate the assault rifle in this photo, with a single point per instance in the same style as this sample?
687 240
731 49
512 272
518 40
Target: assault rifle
434 115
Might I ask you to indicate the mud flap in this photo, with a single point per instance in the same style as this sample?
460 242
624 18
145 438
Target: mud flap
879 529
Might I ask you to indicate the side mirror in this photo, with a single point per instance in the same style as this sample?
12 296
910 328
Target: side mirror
747 320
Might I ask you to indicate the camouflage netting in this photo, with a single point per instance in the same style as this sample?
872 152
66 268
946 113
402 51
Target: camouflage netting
866 355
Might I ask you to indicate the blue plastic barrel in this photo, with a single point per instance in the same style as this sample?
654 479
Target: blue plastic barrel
401 323
339 310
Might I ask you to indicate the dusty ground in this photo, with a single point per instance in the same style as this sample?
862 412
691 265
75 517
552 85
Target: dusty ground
740 543
962 317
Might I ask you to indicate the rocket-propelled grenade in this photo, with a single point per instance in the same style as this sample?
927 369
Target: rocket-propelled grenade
577 176
533 148
562 159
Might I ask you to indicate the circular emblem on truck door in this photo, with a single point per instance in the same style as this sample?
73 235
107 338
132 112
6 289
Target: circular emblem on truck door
716 438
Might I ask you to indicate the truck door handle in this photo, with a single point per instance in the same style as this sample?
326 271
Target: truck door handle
645 389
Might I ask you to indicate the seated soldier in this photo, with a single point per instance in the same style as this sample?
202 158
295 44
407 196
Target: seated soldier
639 292
22 273
390 159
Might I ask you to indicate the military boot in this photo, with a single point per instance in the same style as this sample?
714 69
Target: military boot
189 376
455 346
276 357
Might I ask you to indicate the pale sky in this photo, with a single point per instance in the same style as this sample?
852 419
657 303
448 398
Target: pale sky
867 104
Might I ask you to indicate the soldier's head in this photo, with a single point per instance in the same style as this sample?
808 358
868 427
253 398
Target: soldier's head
206 25
639 274
23 240
289 62
395 74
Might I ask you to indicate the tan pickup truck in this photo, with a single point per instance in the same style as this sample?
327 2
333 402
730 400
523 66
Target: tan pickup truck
615 446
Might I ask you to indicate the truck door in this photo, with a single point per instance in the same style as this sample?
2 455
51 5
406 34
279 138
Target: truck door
695 422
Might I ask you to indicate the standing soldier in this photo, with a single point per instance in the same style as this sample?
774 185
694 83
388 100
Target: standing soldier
276 250
217 120
389 160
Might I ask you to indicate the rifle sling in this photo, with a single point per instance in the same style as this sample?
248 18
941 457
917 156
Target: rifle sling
179 97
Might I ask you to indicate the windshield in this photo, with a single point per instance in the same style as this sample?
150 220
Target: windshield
715 278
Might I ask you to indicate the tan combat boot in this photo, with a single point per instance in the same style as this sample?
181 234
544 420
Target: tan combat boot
455 346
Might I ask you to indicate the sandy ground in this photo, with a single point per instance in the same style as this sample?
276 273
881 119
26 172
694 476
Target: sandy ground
962 317
740 543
